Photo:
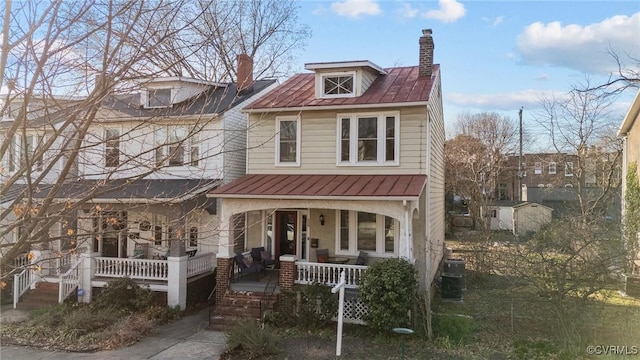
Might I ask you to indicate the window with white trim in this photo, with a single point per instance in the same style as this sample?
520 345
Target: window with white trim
368 139
158 98
552 168
363 231
537 168
112 147
568 169
340 84
288 141
21 152
175 146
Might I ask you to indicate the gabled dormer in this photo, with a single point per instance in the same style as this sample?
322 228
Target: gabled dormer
166 91
343 79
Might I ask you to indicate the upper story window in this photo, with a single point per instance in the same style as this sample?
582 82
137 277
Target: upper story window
368 139
21 152
537 168
112 147
552 168
288 141
175 146
338 84
568 169
159 97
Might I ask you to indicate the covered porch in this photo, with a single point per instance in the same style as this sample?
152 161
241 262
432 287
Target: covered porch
294 218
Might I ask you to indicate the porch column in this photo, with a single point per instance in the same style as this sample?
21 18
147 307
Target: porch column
225 231
223 276
87 271
177 281
288 272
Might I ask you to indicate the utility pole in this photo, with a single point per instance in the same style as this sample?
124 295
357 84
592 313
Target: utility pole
520 173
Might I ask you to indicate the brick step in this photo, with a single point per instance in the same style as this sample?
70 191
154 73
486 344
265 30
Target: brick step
247 302
34 305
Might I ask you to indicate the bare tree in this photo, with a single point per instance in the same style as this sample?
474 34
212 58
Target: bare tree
627 75
475 158
582 124
218 31
68 70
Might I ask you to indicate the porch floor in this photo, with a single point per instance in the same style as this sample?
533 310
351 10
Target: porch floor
257 282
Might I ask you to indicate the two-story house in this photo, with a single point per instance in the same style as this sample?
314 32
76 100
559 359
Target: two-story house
345 160
146 163
630 132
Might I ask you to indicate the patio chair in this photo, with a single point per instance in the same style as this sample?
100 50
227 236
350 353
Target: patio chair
362 258
322 255
253 267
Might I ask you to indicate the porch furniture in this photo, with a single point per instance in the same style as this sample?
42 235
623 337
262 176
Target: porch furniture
192 253
322 255
260 255
362 258
337 260
253 267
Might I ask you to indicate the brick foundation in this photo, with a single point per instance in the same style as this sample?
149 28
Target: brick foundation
222 278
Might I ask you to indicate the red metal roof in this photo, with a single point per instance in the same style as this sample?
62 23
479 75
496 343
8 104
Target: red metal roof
399 85
305 186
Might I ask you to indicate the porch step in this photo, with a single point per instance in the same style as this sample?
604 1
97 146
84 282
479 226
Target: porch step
240 305
44 295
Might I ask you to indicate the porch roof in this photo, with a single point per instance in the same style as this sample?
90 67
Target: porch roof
360 187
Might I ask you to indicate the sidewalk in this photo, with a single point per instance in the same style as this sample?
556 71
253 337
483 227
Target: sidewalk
185 339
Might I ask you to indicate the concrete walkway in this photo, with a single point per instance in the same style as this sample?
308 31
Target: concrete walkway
185 339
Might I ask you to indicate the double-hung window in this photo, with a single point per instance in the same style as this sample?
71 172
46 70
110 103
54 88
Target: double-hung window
22 152
363 231
159 98
112 147
368 139
175 146
568 169
552 168
288 141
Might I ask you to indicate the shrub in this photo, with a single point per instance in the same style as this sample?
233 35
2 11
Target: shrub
313 306
248 336
123 294
389 290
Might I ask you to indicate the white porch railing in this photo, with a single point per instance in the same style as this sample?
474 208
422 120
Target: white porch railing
142 269
64 262
329 274
68 282
200 264
21 283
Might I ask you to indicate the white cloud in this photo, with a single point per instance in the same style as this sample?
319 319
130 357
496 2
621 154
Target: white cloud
579 47
494 22
355 8
407 11
542 77
449 11
498 101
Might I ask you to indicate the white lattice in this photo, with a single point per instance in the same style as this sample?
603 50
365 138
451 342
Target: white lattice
354 309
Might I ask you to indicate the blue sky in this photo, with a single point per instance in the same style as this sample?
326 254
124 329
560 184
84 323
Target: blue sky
495 55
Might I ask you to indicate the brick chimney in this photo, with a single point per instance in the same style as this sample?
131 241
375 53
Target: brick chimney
245 72
425 63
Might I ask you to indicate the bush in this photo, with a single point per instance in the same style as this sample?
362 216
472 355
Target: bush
124 295
389 290
313 306
248 336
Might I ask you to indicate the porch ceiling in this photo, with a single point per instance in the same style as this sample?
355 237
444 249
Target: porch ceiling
337 187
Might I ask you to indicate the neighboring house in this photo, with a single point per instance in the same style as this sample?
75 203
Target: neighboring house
550 179
148 160
346 158
630 132
521 218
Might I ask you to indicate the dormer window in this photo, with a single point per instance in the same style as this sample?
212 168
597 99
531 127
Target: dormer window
158 98
338 84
